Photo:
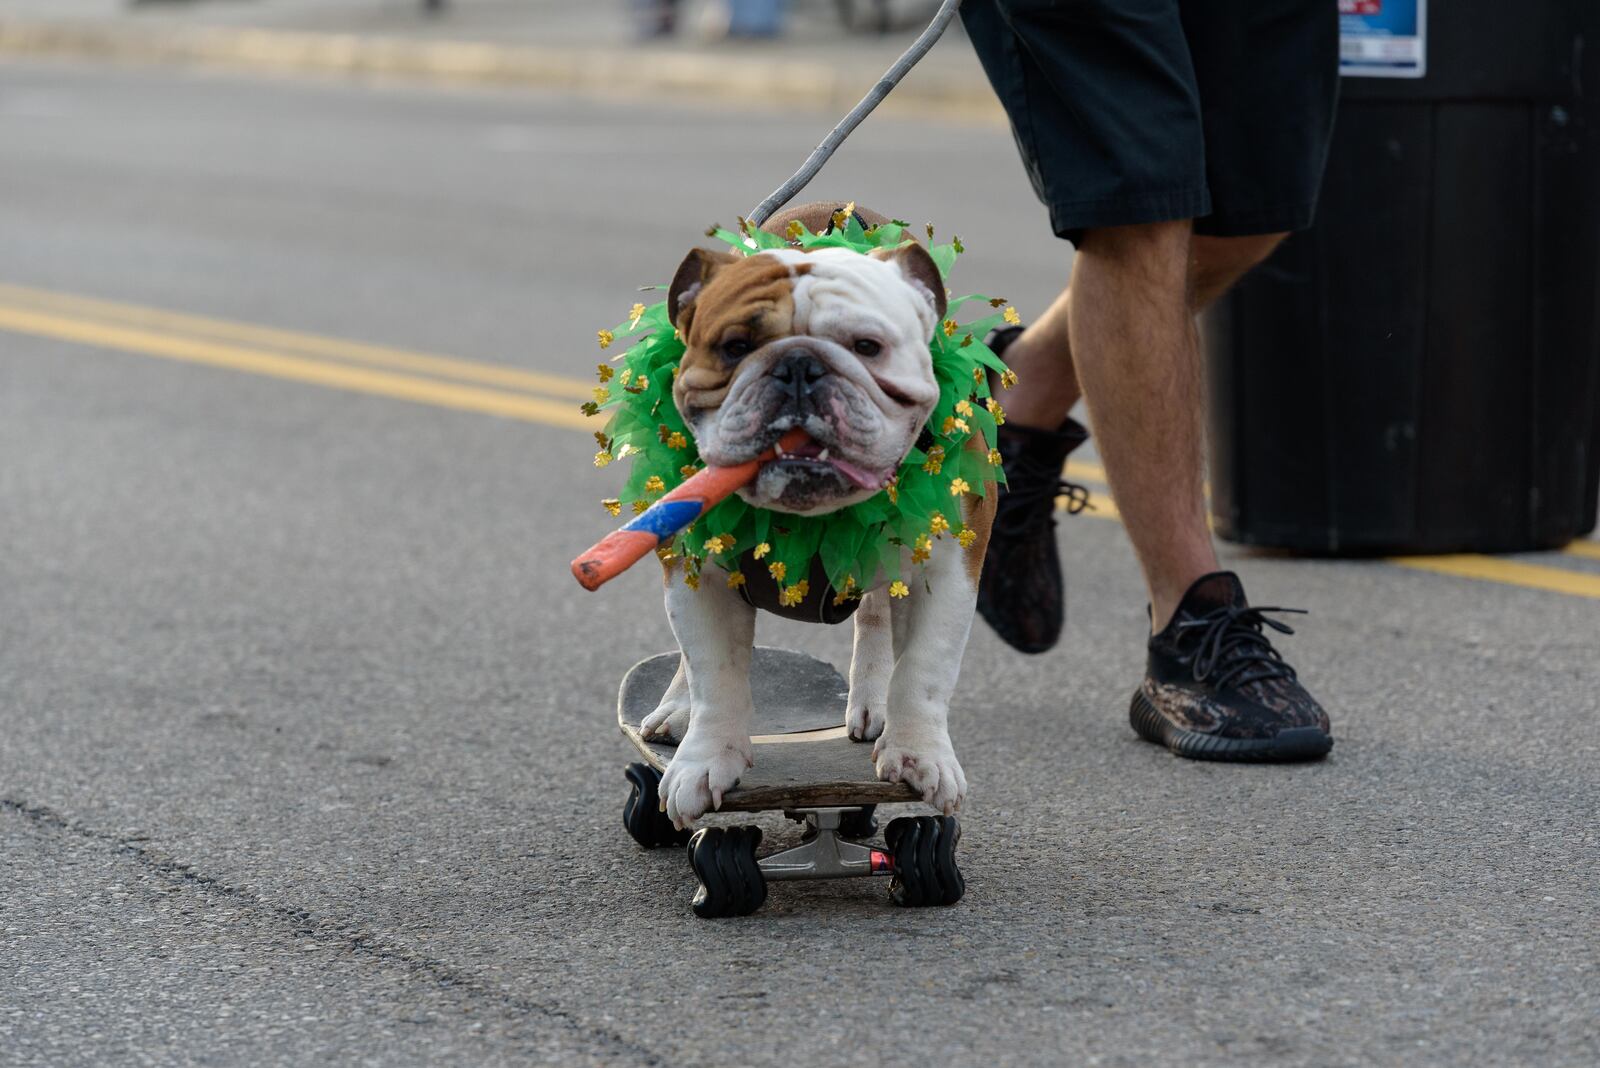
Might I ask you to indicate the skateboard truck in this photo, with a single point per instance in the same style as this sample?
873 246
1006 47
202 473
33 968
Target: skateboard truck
808 769
823 853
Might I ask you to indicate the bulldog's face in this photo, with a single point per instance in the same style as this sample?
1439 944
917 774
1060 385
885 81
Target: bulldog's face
830 341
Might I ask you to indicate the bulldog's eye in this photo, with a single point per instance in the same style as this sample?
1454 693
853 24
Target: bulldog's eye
865 346
737 349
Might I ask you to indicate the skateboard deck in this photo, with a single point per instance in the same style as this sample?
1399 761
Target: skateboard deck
803 756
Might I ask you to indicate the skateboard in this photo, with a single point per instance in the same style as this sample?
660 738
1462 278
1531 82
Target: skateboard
806 767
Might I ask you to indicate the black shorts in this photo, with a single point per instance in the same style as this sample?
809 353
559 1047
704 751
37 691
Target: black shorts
1137 111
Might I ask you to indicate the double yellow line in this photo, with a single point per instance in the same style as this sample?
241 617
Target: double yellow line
496 389
465 385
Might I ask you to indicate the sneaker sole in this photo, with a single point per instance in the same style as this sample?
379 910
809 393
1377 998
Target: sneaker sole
1287 746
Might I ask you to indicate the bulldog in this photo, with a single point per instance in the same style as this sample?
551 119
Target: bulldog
835 343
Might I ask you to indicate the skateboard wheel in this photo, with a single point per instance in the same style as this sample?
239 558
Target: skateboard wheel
859 824
925 871
641 813
724 860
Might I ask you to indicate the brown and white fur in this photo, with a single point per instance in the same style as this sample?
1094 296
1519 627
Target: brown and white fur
776 340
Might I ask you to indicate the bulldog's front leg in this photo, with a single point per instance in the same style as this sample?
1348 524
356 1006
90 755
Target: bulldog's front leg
915 744
716 630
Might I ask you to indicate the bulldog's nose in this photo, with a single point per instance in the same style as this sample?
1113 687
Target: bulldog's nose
799 370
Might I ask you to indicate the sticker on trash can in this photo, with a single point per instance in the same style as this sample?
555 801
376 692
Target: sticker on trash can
1383 38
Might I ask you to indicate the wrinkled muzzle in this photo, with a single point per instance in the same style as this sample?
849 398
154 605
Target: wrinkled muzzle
860 430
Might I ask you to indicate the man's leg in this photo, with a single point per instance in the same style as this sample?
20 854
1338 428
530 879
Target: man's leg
1123 263
1214 686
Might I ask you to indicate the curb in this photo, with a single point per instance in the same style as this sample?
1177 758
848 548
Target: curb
607 72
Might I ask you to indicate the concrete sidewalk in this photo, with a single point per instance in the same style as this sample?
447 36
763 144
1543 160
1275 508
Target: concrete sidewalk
819 63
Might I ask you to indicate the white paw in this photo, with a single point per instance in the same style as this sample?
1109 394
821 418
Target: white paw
702 770
864 719
670 721
929 764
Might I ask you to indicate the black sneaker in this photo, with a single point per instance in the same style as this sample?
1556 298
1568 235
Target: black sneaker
1216 689
1020 593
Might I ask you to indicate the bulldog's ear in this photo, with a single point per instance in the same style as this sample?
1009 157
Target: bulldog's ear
919 269
693 274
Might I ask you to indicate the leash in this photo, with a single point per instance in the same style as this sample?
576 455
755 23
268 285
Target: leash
824 151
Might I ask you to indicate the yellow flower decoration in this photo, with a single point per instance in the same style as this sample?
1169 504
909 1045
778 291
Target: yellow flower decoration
653 484
995 410
640 506
995 302
967 537
605 371
847 592
601 394
952 423
899 589
762 550
606 338
922 549
795 230
688 469
792 595
935 460
635 313
735 579
949 328
714 546
893 490
612 505
627 373
676 440
938 523
1008 378
691 580
995 459
602 458
778 570
958 486
666 554
1010 315
963 407
977 374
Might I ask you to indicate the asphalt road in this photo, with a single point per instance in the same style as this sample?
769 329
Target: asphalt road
306 737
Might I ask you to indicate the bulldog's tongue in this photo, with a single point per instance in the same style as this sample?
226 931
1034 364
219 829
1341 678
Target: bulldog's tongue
862 479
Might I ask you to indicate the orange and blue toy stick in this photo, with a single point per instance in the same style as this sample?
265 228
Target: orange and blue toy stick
660 523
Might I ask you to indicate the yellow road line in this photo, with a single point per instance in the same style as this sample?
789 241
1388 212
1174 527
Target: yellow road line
1084 471
1590 549
336 376
1509 572
293 341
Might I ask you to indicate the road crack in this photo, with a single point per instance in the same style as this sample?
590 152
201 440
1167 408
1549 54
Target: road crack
303 924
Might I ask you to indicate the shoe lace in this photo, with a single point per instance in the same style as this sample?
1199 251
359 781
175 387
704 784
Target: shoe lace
1234 649
1028 504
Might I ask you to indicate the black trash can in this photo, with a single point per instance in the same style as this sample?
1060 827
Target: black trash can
1421 372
